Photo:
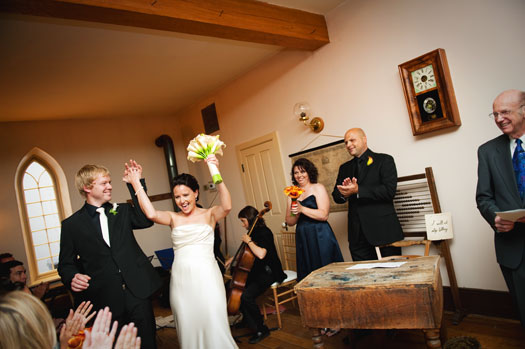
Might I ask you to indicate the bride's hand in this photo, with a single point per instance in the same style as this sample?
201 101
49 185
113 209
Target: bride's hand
212 159
132 172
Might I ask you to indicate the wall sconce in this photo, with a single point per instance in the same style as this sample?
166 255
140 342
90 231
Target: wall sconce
302 110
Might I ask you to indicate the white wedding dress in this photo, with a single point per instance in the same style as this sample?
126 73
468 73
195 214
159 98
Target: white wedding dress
197 294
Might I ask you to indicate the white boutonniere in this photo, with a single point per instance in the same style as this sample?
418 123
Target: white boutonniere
114 209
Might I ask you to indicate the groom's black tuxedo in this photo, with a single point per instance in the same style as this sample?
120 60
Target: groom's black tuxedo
114 270
371 212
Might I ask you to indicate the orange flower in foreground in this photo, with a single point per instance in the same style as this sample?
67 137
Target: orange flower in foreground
77 340
293 191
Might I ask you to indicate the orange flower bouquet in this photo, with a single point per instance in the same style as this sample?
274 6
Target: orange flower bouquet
293 192
77 341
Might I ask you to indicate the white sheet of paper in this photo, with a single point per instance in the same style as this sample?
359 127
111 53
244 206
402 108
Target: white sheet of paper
377 265
512 215
439 226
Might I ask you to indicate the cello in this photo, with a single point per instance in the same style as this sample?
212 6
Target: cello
241 265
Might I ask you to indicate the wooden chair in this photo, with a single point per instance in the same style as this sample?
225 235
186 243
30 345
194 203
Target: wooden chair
284 292
416 195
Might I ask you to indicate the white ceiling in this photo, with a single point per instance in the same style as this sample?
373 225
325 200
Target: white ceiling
64 69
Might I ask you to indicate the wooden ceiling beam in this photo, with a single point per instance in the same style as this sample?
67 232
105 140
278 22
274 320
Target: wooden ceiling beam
242 20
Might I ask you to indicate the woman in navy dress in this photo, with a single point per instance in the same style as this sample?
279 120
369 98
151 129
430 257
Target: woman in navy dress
316 245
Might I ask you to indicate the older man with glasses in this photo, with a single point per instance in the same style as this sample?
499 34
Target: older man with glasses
501 187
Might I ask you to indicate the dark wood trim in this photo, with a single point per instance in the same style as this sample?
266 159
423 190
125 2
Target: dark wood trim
482 302
250 21
158 197
316 148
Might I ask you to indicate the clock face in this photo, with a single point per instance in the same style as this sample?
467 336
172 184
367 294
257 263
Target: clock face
424 79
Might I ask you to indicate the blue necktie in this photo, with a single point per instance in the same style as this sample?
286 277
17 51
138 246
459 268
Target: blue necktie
518 162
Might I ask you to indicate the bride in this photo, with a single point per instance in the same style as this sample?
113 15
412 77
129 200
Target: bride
197 293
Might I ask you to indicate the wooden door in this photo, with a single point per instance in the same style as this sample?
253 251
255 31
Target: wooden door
263 177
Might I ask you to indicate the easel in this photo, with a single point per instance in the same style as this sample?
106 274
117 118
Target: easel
416 195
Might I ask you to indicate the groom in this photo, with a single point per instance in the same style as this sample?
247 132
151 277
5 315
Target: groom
101 261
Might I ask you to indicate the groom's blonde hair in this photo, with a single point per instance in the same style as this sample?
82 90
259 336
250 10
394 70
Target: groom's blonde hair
87 175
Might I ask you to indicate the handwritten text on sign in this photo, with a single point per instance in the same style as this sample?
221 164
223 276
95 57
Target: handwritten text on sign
439 226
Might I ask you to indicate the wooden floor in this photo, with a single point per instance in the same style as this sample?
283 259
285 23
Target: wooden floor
490 332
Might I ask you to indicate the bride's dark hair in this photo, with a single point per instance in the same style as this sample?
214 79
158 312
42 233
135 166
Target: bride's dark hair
250 213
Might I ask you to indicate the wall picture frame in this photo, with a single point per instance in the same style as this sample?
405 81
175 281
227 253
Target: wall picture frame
327 158
429 94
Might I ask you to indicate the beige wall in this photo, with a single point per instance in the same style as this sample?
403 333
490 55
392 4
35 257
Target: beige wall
75 143
353 81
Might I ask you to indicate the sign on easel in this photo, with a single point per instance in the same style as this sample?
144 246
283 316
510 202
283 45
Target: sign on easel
439 226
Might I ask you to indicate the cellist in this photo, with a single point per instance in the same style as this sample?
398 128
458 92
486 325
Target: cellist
266 270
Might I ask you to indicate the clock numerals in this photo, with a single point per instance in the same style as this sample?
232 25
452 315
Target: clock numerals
429 94
424 79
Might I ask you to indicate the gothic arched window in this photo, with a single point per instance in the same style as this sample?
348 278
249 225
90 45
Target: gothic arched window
43 201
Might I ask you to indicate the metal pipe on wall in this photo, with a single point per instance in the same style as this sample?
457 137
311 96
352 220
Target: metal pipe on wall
165 142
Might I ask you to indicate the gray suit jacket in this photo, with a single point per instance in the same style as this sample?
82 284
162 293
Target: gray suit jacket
497 191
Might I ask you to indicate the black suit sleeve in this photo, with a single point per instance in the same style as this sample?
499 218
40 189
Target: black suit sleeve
386 189
138 218
336 194
67 265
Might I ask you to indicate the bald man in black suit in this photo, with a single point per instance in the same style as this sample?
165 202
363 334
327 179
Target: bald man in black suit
368 182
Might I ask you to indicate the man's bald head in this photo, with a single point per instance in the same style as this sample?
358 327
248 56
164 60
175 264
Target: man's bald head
355 142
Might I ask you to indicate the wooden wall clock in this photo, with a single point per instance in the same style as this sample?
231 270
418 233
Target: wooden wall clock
429 94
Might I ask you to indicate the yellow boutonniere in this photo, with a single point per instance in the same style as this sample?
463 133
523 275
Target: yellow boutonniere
370 161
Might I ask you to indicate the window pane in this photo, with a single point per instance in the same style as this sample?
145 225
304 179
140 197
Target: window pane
55 262
53 234
34 209
45 265
39 237
35 169
28 182
47 193
43 212
55 248
36 223
45 180
32 196
42 251
52 221
49 206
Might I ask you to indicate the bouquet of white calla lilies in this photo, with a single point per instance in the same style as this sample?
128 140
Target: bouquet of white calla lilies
202 146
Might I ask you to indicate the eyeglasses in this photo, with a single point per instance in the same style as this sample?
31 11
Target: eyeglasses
504 113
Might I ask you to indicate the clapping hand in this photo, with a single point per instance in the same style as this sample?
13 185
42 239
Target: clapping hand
100 336
40 290
127 338
348 187
75 322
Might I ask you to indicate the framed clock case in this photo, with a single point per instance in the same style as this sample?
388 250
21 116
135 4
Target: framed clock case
429 94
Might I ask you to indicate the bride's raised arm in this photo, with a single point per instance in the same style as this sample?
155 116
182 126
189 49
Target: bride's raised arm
132 175
222 210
